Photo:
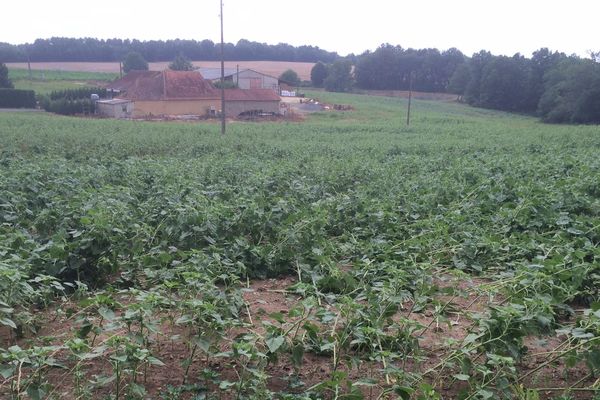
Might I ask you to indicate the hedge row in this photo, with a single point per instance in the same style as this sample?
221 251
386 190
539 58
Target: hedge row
15 98
69 107
76 94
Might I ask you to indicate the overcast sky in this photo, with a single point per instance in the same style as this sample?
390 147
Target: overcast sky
344 26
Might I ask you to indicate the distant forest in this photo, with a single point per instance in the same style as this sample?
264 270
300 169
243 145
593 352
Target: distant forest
89 49
555 86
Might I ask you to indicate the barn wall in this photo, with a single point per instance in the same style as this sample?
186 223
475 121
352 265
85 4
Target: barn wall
235 108
123 110
175 107
266 82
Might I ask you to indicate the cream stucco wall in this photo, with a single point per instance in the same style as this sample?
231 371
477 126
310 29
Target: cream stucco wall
175 107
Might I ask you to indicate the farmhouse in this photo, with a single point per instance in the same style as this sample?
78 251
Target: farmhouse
157 93
244 79
115 108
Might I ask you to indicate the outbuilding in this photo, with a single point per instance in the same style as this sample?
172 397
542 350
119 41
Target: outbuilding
155 93
244 79
115 108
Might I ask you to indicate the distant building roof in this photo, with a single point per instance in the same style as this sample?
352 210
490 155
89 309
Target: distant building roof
215 73
212 74
113 101
164 85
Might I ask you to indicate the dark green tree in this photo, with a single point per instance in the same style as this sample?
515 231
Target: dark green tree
504 83
339 78
459 80
4 80
476 66
318 74
181 63
290 76
572 92
134 62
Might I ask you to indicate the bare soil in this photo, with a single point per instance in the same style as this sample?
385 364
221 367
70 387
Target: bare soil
263 298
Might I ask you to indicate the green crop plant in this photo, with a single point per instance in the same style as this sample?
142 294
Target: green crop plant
455 258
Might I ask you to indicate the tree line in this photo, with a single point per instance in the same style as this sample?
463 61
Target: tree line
556 87
91 49
552 85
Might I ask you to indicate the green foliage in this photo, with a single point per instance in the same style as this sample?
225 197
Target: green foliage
290 77
134 61
391 67
72 101
15 98
318 74
339 78
143 238
66 106
181 63
226 84
112 50
572 93
561 89
76 94
5 82
459 80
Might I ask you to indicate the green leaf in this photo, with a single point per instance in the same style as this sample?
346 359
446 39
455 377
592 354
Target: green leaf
7 372
298 354
404 392
461 377
8 322
155 361
274 343
106 313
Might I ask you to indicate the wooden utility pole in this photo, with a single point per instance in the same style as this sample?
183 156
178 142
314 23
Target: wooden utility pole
222 75
410 87
29 66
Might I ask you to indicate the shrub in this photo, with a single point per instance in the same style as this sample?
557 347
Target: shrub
14 98
66 106
76 94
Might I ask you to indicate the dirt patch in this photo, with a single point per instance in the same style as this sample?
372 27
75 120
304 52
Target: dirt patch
444 327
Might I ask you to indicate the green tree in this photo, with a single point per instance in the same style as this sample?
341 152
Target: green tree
339 78
572 92
134 61
290 76
476 65
4 80
181 63
459 80
318 74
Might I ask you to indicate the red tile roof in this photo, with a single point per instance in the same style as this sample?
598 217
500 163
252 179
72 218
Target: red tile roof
251 95
181 85
164 85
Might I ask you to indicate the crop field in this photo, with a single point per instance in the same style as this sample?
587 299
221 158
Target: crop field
344 257
46 81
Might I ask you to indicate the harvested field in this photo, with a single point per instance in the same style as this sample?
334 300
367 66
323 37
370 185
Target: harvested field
274 68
